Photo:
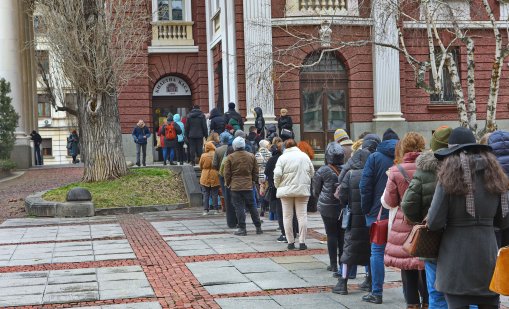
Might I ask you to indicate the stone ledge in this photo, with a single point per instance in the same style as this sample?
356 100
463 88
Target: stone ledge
35 205
138 209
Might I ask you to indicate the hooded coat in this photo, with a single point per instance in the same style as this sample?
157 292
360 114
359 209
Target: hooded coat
394 255
180 137
325 181
209 175
357 247
499 142
217 123
374 179
468 250
259 121
285 122
418 196
196 124
271 132
369 143
233 114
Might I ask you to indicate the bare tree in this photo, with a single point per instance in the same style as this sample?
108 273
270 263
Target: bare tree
437 25
96 43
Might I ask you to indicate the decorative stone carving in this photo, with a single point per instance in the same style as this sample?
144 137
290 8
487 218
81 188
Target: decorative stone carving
325 33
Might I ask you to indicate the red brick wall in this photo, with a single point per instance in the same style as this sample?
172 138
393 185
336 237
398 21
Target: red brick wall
241 67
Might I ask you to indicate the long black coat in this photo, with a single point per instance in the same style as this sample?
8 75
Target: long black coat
285 122
259 122
325 182
232 113
196 124
356 248
217 123
269 174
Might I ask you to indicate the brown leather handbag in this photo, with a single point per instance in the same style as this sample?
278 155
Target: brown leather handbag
421 242
500 280
379 230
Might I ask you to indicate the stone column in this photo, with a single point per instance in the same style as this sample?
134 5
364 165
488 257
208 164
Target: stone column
386 71
258 58
16 66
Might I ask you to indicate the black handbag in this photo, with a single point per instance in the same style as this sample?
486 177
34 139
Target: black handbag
270 194
346 218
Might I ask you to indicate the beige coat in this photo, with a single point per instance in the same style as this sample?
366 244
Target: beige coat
209 175
293 173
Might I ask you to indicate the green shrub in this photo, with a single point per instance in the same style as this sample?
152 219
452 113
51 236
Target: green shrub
8 121
7 165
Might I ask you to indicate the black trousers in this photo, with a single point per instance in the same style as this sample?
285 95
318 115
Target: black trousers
414 284
243 200
180 152
335 239
279 211
196 149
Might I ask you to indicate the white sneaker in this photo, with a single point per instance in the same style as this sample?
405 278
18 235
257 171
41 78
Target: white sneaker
205 213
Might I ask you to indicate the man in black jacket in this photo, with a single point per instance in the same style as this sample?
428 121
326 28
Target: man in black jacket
196 130
232 113
217 123
36 137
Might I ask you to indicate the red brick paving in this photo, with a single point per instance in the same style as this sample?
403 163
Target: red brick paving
13 192
173 283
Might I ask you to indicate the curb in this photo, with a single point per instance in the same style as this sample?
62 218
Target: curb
13 175
138 209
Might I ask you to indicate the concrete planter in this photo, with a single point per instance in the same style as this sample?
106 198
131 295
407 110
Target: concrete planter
35 205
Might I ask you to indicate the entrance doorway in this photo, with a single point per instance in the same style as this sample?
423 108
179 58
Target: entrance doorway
324 99
171 94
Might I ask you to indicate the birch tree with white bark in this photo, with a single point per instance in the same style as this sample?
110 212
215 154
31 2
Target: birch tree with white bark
96 44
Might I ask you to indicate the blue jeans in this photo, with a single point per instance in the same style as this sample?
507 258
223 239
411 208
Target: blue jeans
377 269
436 298
165 153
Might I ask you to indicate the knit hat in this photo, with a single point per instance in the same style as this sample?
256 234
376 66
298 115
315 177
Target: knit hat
284 111
390 134
340 135
170 117
239 143
240 133
225 137
231 105
228 127
370 142
264 143
440 138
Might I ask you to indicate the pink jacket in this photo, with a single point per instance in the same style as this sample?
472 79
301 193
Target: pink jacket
394 190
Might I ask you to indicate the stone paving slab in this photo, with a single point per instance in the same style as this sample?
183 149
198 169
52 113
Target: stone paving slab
147 305
59 233
55 221
229 243
86 251
73 285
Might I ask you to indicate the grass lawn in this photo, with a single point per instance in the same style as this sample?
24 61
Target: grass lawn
142 186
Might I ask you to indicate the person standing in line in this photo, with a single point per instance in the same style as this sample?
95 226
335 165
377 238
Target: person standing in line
196 131
36 137
233 114
140 135
219 154
372 185
217 122
161 141
240 172
179 149
259 122
413 275
73 145
356 245
231 216
285 121
341 137
417 200
262 157
170 132
292 178
469 200
324 185
209 179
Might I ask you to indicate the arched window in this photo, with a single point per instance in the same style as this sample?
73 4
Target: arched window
324 98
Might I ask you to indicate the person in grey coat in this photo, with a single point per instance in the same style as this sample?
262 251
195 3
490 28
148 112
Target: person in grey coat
470 198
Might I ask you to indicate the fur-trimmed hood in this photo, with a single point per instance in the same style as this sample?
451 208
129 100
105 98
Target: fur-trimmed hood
427 162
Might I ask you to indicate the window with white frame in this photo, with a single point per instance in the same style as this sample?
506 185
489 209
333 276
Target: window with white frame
171 10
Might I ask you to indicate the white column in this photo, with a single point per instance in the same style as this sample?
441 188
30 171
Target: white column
11 67
258 58
386 71
229 52
210 57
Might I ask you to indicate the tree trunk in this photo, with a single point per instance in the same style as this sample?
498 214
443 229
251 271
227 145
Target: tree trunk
101 139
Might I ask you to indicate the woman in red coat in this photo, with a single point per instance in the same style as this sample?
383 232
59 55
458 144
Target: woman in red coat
400 174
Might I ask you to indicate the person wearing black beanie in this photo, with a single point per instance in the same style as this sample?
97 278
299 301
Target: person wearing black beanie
390 134
232 113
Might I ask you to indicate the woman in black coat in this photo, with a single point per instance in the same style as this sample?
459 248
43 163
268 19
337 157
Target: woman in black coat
356 247
259 122
217 123
284 121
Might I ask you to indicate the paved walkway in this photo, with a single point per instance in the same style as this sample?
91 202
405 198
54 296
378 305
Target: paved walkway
175 259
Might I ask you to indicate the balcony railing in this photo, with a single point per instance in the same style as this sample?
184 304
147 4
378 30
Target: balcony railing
322 6
172 33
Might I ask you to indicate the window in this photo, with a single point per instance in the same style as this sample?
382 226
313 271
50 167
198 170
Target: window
170 9
39 27
44 106
46 147
447 95
214 7
42 61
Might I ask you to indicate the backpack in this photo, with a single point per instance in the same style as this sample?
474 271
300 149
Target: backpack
170 133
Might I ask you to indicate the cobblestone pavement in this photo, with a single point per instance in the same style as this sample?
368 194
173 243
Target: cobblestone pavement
13 192
176 259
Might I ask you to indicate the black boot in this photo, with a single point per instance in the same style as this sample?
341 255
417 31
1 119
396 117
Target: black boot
240 232
366 285
259 230
341 287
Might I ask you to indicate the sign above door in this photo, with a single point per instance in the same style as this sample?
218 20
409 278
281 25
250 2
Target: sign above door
171 86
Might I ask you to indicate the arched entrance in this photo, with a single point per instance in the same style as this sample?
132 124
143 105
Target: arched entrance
324 101
171 94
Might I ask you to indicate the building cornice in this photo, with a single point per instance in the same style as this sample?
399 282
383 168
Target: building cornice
172 49
317 20
465 24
